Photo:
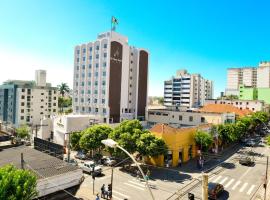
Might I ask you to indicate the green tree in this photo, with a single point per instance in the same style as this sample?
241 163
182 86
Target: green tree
150 145
63 89
75 139
203 140
23 132
127 134
17 184
91 137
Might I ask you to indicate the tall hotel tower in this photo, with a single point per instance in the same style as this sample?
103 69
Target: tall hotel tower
110 79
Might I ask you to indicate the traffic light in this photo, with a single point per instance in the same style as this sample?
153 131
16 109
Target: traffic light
110 187
191 196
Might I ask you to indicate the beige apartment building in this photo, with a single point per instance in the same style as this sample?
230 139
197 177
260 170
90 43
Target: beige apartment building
256 77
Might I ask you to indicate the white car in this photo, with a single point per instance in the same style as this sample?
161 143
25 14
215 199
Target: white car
89 166
108 161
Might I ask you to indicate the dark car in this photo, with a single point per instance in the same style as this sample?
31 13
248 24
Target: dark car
81 155
214 190
246 161
250 143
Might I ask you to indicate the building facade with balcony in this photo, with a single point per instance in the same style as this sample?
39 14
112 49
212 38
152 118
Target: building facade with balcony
187 90
110 79
27 102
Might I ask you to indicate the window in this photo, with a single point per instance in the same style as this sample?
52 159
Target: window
131 54
78 67
89 100
180 117
41 106
83 67
96 83
131 62
90 57
82 100
104 64
89 109
97 56
89 74
23 97
77 108
22 104
77 75
90 48
95 100
103 91
103 100
89 83
78 51
54 98
22 117
105 55
130 85
96 110
23 90
103 82
96 74
190 118
82 83
83 109
104 110
202 119
76 83
84 50
78 59
83 58
104 74
105 46
96 65
22 110
97 47
82 92
41 113
83 75
89 66
54 104
76 99
96 92
89 91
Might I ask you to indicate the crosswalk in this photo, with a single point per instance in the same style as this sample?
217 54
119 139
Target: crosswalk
120 194
235 185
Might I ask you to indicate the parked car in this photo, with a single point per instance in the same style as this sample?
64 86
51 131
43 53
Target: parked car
245 160
214 190
108 161
250 143
89 166
81 155
244 140
71 161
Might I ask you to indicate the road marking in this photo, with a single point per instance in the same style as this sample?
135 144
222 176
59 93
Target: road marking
211 178
139 184
229 183
236 184
224 180
216 180
243 187
115 197
250 189
126 196
134 186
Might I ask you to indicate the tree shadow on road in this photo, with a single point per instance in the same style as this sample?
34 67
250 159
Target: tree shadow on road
228 165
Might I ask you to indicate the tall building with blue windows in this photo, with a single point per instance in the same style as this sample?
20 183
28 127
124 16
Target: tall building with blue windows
27 102
110 79
187 90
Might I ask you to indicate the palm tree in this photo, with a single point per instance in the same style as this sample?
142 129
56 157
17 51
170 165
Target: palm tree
63 89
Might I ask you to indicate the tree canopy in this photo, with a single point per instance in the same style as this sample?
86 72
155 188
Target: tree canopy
63 89
17 184
23 132
203 139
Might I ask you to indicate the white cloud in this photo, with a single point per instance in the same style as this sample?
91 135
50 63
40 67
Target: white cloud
22 65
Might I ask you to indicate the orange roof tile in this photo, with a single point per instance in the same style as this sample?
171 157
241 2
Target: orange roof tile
225 108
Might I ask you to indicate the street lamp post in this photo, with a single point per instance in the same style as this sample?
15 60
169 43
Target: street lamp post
111 143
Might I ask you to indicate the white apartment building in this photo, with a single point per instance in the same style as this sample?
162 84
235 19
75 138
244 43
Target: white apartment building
187 90
257 77
110 79
27 102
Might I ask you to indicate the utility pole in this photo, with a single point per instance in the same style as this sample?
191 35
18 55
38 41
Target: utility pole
22 161
204 186
266 178
112 180
68 154
93 178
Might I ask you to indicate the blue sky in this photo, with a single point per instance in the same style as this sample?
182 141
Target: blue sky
202 36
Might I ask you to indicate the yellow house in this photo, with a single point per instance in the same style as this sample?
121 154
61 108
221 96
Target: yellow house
180 141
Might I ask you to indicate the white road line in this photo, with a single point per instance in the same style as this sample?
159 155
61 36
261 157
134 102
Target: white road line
236 184
216 180
115 197
229 183
139 184
224 180
134 186
211 178
250 189
243 187
126 196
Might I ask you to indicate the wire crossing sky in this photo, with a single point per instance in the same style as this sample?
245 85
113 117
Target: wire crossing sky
203 37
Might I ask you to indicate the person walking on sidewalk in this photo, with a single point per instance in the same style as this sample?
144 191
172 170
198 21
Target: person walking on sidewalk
103 191
97 197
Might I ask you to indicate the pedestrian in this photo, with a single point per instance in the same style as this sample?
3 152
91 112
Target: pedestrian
97 197
179 162
103 191
138 174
